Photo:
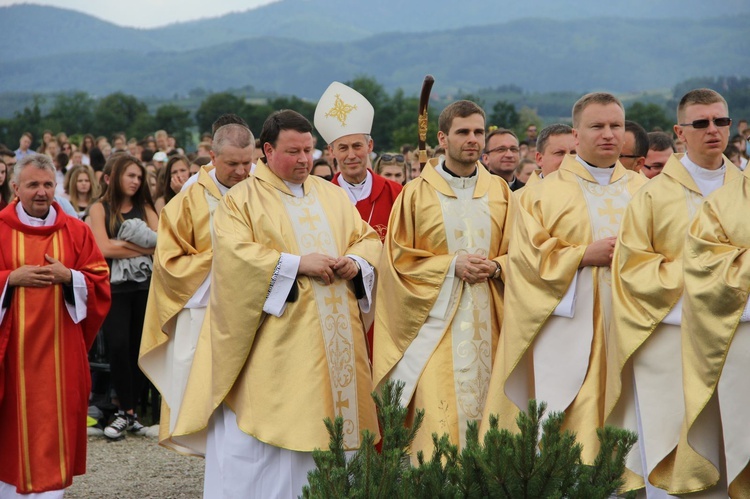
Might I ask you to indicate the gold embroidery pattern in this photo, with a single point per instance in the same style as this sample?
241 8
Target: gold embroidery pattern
606 205
313 234
468 230
340 110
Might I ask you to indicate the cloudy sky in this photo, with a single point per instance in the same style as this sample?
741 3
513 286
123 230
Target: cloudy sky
149 13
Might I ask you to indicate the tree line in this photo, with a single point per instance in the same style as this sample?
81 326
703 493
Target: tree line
78 113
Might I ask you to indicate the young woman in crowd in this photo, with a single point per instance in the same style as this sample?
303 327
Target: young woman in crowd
392 166
127 198
87 143
6 195
82 188
176 173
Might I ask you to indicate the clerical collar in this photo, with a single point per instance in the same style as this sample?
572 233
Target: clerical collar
357 192
297 190
223 189
453 174
358 184
603 176
49 218
706 180
687 162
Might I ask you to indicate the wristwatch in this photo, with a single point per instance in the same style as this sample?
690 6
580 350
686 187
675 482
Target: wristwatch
498 271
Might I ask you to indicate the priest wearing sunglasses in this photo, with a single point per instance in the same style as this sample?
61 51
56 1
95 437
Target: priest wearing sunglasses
645 381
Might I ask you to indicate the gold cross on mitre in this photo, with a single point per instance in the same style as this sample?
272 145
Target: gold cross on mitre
340 110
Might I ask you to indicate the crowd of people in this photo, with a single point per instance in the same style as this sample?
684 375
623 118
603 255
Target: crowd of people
263 285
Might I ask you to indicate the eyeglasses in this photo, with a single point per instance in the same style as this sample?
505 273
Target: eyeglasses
700 124
629 156
387 158
653 167
326 177
503 150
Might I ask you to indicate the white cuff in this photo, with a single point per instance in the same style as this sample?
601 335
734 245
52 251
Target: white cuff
79 309
281 283
2 299
368 279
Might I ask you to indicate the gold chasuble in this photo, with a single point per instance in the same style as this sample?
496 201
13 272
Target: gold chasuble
534 178
714 442
433 331
182 261
559 359
646 285
283 375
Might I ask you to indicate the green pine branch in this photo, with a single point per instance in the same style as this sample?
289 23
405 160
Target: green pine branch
539 461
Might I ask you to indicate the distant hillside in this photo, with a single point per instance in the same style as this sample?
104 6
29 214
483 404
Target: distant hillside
538 55
59 31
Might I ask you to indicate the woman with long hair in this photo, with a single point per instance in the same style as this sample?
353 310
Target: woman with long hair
176 173
126 203
6 195
87 143
82 188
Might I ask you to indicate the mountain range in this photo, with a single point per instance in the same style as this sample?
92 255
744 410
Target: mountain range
299 46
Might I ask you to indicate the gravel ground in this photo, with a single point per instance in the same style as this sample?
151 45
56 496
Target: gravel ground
136 467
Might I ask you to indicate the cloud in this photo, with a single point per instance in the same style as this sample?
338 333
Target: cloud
150 13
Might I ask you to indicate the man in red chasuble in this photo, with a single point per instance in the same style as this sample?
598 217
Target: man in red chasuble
54 295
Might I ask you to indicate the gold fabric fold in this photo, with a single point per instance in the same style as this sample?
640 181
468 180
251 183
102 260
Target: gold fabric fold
717 279
549 238
647 277
417 257
273 371
182 261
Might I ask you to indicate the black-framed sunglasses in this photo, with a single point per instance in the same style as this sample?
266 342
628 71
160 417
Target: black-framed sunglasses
387 158
700 124
629 156
653 167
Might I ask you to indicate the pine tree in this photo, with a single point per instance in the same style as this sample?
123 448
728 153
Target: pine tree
539 461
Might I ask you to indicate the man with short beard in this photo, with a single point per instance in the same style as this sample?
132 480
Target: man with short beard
441 281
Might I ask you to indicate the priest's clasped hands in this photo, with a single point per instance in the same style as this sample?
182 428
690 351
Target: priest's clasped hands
472 268
327 268
40 276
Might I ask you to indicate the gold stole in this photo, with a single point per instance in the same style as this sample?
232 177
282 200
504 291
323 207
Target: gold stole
313 234
468 230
